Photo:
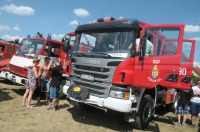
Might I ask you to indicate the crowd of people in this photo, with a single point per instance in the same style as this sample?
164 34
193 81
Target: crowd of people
188 101
41 81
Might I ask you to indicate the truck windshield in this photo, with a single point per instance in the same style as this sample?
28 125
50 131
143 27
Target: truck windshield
104 44
30 47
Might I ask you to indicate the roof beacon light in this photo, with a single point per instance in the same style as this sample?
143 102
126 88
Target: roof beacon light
106 19
49 36
28 36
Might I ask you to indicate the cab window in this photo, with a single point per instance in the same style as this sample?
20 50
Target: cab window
164 40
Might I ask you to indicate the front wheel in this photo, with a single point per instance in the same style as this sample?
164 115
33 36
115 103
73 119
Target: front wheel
144 114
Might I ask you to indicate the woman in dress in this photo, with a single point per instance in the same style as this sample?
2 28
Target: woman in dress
31 83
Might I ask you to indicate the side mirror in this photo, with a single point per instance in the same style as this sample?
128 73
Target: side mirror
66 46
49 50
143 43
16 40
70 54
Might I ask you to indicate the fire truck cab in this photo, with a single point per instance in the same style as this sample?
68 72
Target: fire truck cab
7 49
120 73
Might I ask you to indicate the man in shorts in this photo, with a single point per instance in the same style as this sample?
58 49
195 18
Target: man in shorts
44 80
184 106
55 83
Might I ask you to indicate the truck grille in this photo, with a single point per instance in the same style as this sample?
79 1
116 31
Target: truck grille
102 73
95 88
18 70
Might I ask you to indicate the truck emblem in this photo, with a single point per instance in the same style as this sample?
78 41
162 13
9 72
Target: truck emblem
155 71
90 61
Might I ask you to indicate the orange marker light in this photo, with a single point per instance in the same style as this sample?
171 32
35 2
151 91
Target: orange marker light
127 94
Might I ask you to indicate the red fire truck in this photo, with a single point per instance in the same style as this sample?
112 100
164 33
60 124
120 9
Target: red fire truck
36 47
121 75
7 49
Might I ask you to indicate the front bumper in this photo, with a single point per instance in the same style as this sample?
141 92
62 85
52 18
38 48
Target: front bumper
119 105
17 79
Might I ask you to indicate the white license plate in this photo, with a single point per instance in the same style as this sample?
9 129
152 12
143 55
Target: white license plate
87 77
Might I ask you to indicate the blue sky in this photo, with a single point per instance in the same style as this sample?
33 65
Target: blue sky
58 17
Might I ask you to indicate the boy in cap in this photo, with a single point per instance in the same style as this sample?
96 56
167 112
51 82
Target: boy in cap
55 83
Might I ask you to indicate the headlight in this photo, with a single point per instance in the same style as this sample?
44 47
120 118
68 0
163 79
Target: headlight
119 94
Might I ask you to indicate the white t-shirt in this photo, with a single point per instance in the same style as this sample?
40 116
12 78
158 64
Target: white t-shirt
149 47
195 99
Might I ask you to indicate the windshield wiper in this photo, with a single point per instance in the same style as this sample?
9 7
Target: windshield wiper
95 54
80 54
103 54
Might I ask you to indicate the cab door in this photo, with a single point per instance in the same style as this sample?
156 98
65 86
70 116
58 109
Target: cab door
186 65
161 67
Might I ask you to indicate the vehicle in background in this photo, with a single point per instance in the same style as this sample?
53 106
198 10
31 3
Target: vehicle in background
7 49
129 80
36 47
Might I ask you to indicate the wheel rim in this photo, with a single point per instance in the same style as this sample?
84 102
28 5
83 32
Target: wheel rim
147 112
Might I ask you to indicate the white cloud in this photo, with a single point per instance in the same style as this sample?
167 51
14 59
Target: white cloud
197 38
74 22
81 12
4 28
57 36
19 10
196 64
16 28
11 38
191 28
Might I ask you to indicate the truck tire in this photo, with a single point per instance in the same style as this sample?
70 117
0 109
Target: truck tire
144 114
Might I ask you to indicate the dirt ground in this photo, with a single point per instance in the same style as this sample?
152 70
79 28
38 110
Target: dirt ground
70 118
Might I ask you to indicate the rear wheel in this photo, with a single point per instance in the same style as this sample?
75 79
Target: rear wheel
144 114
